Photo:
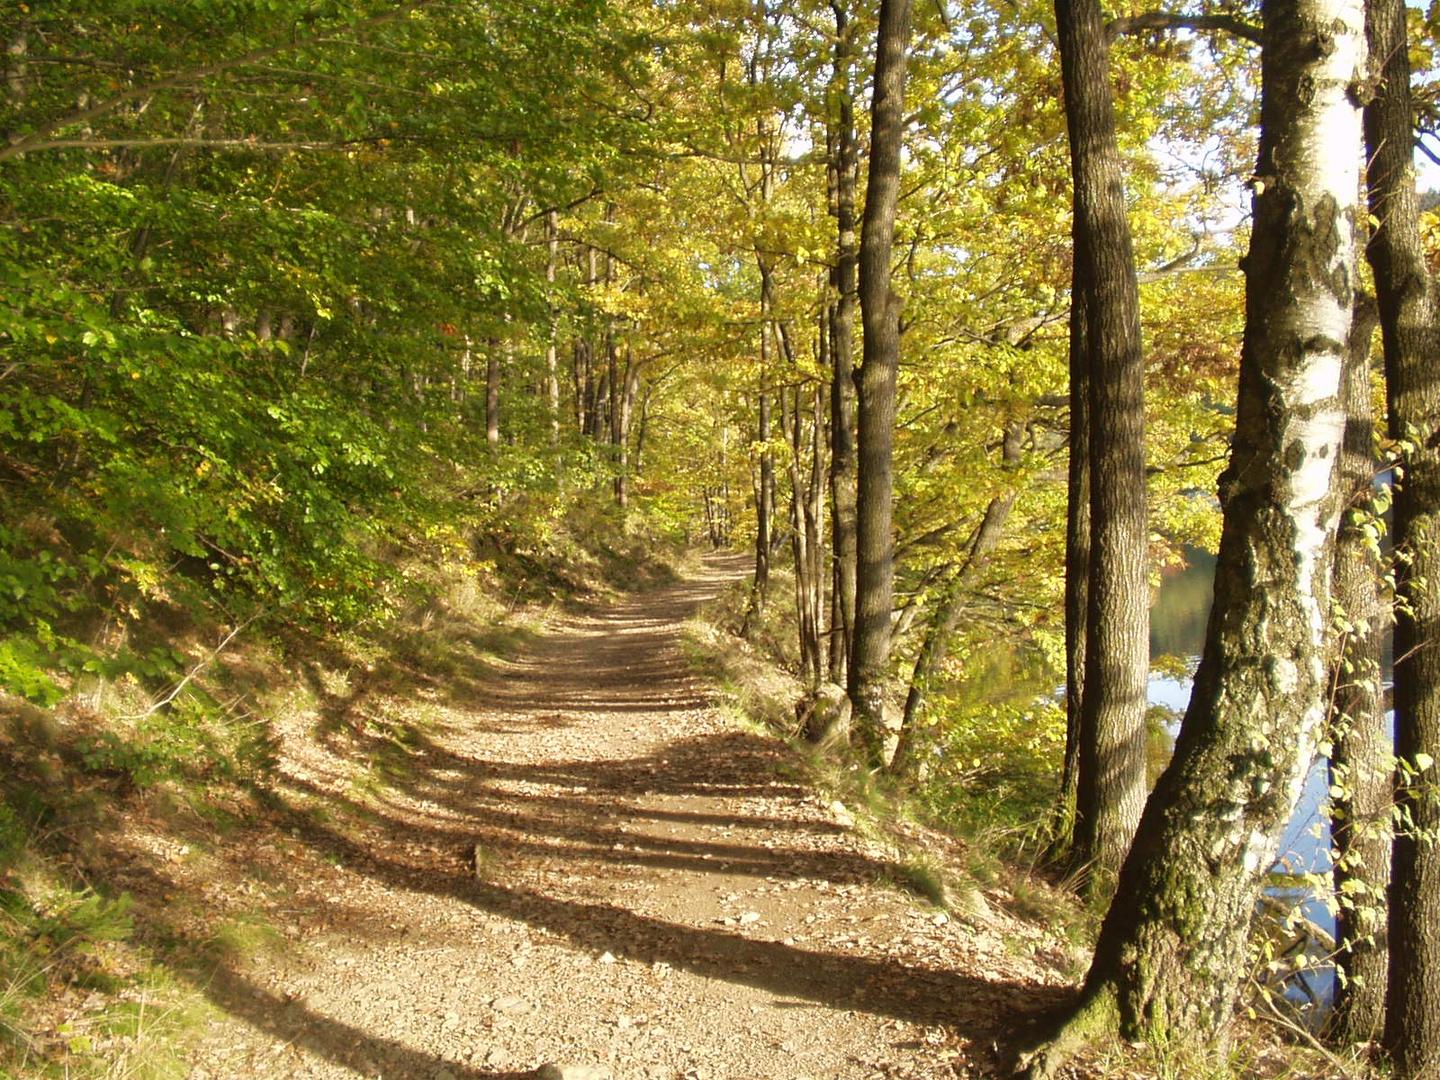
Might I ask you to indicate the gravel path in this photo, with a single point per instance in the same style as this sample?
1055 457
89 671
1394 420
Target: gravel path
574 858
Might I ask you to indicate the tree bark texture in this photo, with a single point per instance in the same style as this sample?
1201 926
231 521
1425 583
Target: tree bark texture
1110 789
1077 575
842 346
1174 942
764 485
806 510
1405 294
880 356
1361 764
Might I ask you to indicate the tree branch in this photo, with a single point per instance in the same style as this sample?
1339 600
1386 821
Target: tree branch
1164 20
190 675
1420 145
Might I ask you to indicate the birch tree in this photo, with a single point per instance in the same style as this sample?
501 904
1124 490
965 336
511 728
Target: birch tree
1174 941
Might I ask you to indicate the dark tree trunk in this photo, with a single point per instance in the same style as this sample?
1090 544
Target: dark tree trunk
1077 574
1406 298
1360 765
951 607
1110 788
1175 940
620 427
597 411
815 524
764 481
842 348
643 429
805 512
807 498
880 315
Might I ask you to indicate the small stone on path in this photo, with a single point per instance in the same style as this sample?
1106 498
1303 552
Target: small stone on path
553 1071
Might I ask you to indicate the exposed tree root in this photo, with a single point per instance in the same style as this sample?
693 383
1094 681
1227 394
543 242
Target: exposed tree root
1096 1015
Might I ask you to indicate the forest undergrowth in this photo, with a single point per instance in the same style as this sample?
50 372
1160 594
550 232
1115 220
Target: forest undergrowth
146 858
971 833
104 957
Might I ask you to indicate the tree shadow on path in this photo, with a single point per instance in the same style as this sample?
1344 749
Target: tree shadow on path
567 812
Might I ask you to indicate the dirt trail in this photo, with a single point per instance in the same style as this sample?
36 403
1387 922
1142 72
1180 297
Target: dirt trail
583 861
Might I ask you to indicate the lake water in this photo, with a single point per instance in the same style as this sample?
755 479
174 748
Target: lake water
1177 629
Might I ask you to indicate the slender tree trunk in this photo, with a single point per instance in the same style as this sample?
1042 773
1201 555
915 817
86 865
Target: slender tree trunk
725 481
815 523
765 484
880 315
617 418
842 347
552 371
1077 575
807 508
764 511
712 525
1110 791
579 378
802 540
590 426
952 606
600 403
630 382
643 429
1406 297
1361 759
1175 940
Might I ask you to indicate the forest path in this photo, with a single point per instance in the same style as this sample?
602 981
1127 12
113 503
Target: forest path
575 857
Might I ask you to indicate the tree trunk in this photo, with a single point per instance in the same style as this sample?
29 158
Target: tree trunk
589 418
764 511
1077 576
952 607
765 485
807 503
815 523
1110 789
842 348
617 382
625 411
552 368
596 414
1361 765
1175 940
643 429
880 315
1406 298
804 538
